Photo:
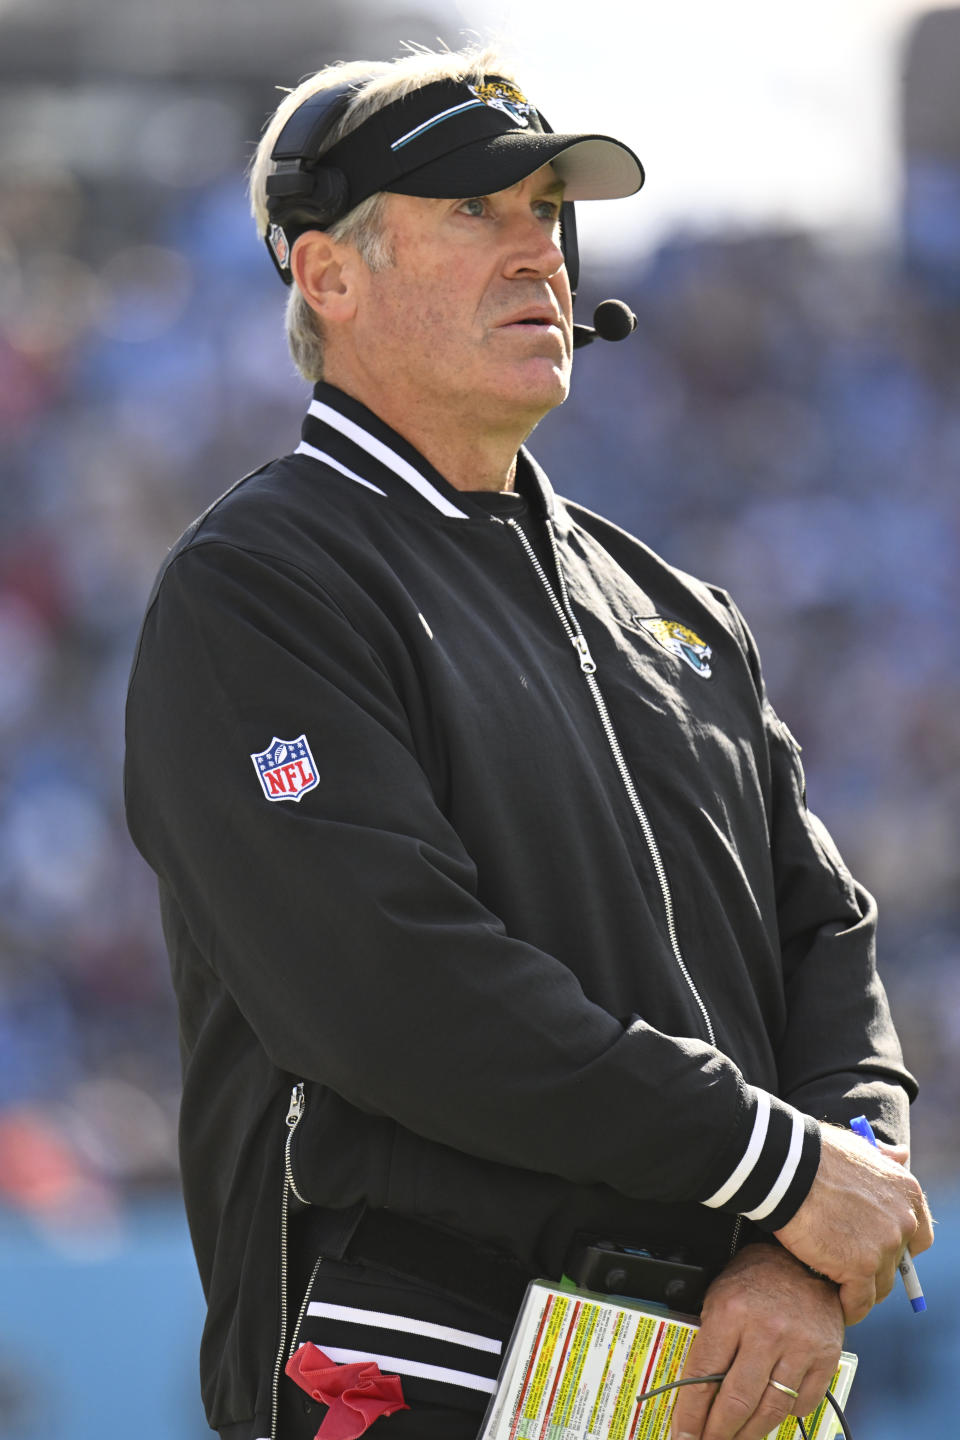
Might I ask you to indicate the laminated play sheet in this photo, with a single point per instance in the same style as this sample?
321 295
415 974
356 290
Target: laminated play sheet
578 1365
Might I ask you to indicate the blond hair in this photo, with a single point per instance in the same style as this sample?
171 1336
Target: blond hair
378 83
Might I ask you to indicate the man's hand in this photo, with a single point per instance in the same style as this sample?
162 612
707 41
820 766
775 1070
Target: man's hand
863 1210
764 1317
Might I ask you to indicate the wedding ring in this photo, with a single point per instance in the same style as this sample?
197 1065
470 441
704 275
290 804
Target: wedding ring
784 1389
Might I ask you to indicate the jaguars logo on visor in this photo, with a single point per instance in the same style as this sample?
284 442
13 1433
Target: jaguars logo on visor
501 95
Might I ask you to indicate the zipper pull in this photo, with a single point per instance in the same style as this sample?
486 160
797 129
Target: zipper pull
587 664
296 1106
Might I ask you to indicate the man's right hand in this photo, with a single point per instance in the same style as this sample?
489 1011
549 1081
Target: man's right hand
862 1211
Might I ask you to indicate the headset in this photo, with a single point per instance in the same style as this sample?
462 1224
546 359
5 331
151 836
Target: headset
308 191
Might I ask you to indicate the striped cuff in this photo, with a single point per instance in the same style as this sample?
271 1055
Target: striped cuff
778 1151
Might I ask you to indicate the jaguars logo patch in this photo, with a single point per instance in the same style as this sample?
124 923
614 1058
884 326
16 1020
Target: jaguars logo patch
501 95
680 641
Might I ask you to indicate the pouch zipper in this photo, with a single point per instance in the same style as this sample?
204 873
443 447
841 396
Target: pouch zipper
303 1308
294 1116
565 614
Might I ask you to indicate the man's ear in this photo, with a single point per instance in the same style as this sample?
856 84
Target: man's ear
326 272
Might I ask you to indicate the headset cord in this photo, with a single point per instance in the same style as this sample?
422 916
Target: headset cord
646 1395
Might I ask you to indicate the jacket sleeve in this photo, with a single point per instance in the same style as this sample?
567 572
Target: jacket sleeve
839 1055
347 928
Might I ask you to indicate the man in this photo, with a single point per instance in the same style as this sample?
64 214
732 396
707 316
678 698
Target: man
495 911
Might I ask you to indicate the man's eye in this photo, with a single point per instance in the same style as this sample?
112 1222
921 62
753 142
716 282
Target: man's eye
473 207
547 209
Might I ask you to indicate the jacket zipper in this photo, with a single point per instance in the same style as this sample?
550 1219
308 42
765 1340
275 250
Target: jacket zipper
567 617
566 613
294 1115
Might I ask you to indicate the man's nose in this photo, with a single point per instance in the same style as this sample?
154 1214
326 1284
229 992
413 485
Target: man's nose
534 249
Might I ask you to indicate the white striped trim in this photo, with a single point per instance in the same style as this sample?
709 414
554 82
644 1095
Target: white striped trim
390 1365
386 456
435 120
304 449
786 1174
380 1320
761 1122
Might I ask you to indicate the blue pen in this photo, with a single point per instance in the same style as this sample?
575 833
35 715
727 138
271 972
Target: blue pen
908 1274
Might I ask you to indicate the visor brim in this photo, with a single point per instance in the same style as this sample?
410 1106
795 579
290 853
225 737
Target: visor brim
591 167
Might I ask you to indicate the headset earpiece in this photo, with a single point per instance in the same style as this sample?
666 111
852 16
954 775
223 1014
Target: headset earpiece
302 192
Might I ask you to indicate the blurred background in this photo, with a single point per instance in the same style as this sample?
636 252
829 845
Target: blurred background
786 422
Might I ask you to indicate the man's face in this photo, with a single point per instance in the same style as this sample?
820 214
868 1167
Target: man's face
473 321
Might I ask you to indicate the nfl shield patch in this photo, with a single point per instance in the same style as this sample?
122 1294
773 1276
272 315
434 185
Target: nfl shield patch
286 769
277 240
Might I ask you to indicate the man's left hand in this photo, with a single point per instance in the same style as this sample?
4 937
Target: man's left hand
765 1317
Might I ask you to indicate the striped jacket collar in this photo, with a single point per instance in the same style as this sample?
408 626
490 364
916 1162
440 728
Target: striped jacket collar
343 434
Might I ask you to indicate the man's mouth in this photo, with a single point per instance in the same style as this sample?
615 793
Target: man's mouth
538 319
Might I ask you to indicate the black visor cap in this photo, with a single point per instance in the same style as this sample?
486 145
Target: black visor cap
451 140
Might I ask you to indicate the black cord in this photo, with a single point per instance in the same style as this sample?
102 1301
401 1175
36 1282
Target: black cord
840 1416
646 1395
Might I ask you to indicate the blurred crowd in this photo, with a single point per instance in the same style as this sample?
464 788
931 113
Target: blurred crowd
785 422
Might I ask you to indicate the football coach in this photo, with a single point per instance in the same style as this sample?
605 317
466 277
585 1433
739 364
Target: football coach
496 915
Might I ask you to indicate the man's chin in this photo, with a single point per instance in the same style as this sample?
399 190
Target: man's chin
538 384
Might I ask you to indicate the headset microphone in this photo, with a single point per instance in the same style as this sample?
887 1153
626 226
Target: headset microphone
612 320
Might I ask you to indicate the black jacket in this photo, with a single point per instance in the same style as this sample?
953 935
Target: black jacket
497 974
